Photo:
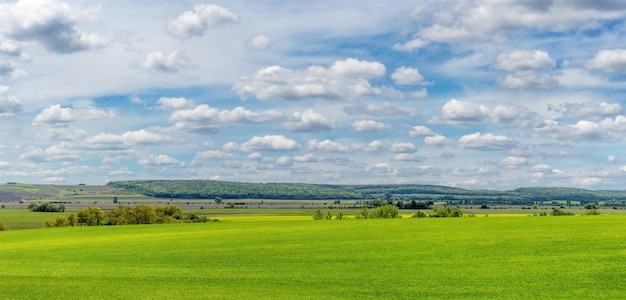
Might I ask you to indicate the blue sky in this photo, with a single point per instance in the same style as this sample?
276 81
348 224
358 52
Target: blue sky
474 94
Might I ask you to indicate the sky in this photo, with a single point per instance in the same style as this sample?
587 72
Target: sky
484 94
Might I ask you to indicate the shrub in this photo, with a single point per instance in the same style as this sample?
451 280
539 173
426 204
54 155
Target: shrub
560 212
363 214
419 214
593 212
444 212
3 227
318 215
591 206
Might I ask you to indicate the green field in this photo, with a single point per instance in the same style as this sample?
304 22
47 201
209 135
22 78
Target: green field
296 257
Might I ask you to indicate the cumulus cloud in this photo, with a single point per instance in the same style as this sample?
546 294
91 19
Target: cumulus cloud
166 103
56 115
588 110
611 61
421 131
402 148
607 130
9 70
524 60
515 116
11 49
310 121
204 118
9 104
480 21
328 145
462 113
411 45
437 140
530 79
366 126
344 79
51 23
385 109
375 146
406 76
270 143
107 141
163 62
160 160
487 141
260 42
195 22
214 154
514 161
408 157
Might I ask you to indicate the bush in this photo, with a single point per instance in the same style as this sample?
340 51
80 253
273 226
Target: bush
3 227
419 214
445 212
318 215
593 212
560 212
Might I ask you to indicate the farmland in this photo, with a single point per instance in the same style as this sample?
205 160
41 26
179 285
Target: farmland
273 249
287 258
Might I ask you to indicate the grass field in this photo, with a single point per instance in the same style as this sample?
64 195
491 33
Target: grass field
578 257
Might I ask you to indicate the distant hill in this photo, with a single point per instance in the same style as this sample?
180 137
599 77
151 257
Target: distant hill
209 189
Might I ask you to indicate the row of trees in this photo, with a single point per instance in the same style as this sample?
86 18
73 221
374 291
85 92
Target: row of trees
124 215
46 207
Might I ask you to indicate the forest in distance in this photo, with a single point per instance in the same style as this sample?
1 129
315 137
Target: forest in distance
210 189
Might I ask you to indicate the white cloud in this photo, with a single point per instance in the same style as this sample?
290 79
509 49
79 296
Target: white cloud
402 148
160 160
437 140
462 113
369 126
230 147
514 161
524 60
127 139
160 61
9 104
529 79
260 42
588 110
270 143
305 158
203 16
375 146
607 130
49 22
214 154
408 157
487 141
611 61
56 115
344 79
515 115
411 45
406 76
421 131
167 103
385 109
611 158
204 118
328 145
310 121
11 49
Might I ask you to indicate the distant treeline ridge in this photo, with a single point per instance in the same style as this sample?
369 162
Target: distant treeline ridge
210 189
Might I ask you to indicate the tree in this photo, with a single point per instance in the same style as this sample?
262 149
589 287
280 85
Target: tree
72 219
115 200
91 216
218 200
145 214
318 215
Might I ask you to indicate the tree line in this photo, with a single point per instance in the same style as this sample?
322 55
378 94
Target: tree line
124 215
210 189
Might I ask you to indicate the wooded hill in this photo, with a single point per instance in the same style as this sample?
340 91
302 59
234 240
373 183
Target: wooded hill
210 189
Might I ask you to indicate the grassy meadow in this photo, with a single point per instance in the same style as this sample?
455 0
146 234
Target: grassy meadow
293 257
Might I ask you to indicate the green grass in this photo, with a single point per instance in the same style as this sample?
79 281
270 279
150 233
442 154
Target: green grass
273 258
22 218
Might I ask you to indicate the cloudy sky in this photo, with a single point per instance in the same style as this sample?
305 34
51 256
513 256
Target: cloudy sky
493 94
